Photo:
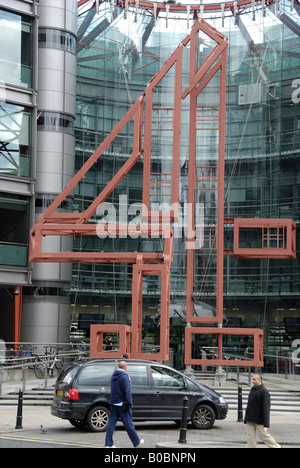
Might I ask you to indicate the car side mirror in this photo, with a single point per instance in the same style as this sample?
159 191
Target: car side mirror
185 387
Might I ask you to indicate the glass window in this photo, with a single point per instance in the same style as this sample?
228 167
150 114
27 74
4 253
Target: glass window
55 122
138 375
14 231
163 377
57 39
192 385
68 375
16 49
14 139
96 376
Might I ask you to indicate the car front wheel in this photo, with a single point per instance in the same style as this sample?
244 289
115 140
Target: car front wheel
97 419
203 417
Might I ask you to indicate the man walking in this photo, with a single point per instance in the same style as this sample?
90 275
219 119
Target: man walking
257 415
120 394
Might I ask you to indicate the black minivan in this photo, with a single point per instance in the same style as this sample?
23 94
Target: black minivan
82 395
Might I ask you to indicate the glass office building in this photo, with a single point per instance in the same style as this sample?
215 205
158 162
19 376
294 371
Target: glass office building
118 52
18 84
37 112
16 64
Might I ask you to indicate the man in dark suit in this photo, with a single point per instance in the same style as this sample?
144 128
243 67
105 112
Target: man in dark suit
257 416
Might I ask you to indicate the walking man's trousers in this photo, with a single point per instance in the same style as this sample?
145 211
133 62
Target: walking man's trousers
263 434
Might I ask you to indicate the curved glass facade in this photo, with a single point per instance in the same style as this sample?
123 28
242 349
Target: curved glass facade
117 56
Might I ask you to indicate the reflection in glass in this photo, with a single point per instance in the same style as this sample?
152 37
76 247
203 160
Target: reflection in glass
14 216
14 140
16 49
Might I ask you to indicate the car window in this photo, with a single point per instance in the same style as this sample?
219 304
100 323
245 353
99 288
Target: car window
192 385
138 375
163 377
68 375
96 376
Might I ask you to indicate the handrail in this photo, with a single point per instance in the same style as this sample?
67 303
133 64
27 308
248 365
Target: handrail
67 351
290 366
10 357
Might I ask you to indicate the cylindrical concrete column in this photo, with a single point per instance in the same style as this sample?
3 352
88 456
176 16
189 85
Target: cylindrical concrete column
46 320
43 320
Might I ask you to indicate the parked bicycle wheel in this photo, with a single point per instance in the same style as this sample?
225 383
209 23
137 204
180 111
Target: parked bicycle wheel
4 375
32 361
56 366
52 371
59 363
39 370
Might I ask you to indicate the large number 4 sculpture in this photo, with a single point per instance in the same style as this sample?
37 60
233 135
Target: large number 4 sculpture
205 175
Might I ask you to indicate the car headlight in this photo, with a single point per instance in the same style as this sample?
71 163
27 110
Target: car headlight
222 400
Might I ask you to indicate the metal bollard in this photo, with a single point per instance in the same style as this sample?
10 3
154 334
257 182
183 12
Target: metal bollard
20 411
240 404
183 427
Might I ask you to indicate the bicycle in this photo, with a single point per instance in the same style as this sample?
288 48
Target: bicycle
51 363
4 373
8 363
28 357
81 351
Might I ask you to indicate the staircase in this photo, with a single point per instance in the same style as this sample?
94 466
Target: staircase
281 400
34 397
285 394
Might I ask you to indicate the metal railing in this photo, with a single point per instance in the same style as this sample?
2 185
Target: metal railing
24 359
286 365
21 361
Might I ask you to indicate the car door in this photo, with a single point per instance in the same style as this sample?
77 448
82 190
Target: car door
168 392
142 395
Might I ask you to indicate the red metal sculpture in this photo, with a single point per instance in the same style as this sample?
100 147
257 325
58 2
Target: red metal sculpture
203 179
